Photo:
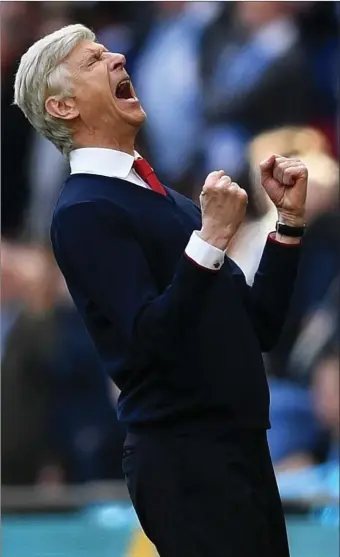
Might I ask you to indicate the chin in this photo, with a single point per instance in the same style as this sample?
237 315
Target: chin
141 116
135 117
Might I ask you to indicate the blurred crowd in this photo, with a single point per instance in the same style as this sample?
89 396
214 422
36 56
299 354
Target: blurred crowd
224 84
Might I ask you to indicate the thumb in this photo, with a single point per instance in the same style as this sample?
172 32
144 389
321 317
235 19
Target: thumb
266 167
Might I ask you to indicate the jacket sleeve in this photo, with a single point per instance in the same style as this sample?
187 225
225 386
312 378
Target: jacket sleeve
268 299
96 250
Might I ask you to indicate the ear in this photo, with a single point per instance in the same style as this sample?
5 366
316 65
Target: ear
65 109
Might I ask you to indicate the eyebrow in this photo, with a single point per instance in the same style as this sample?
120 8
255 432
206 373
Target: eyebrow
91 54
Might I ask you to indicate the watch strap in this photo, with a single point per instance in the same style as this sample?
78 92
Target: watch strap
290 231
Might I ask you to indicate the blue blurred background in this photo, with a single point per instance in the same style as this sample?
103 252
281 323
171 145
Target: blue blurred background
224 84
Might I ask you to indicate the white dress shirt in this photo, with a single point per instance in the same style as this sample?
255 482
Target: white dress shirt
116 164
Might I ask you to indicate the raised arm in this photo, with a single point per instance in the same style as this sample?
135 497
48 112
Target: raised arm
268 301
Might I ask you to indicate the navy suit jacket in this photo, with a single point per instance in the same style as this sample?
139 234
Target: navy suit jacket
182 343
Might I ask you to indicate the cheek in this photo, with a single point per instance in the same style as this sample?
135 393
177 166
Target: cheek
93 96
93 87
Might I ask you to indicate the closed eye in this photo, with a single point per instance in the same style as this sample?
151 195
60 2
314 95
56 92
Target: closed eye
93 61
97 57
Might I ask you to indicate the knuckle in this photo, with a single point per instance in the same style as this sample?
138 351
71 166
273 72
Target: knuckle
213 177
280 160
224 183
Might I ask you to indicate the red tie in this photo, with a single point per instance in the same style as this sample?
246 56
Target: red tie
144 170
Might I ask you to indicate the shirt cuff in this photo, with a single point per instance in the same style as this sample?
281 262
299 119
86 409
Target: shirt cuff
204 254
272 238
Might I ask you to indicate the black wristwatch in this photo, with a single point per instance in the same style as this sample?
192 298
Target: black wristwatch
291 231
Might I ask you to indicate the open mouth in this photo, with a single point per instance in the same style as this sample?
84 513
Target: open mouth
125 91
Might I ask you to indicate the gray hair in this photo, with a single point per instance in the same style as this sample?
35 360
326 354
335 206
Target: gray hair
41 72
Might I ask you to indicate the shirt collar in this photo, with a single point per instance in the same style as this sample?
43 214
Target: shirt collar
103 162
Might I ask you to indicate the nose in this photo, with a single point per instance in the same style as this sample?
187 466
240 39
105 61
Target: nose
118 61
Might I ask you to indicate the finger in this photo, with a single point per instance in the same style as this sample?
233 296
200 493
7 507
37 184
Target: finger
280 158
240 192
293 174
289 177
234 187
216 173
266 167
225 181
280 169
243 194
213 177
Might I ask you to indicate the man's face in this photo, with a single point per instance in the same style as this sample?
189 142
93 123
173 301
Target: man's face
102 90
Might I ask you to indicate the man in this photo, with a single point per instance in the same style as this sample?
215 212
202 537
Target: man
172 317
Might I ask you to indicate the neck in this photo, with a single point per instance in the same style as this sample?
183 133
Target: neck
123 142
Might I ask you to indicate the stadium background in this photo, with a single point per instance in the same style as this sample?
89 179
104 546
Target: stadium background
224 84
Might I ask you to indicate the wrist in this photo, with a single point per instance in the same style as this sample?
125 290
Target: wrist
290 219
217 239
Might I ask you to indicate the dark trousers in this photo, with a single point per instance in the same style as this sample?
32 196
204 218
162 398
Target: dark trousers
206 494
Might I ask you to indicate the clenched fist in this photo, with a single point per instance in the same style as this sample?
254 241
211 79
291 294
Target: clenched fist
285 181
223 205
